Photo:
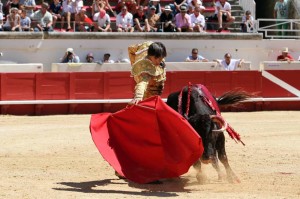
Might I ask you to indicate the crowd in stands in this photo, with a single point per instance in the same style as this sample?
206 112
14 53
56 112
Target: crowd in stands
125 16
227 63
71 57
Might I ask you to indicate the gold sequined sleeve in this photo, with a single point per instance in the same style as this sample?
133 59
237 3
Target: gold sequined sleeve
142 82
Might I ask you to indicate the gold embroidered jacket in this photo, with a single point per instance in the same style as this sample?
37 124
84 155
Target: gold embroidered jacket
150 78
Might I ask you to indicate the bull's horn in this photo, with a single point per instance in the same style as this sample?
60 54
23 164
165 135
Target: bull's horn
220 122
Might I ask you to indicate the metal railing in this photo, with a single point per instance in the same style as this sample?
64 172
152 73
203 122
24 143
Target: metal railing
273 32
249 5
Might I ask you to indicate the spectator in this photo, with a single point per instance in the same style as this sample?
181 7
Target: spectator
130 6
223 13
83 22
140 20
195 57
247 22
156 4
153 19
12 21
25 21
177 5
67 13
101 5
124 21
1 21
230 64
183 21
281 10
167 20
29 6
55 9
90 58
138 3
106 58
70 57
12 4
103 21
194 3
190 10
197 20
285 56
43 18
77 5
1 7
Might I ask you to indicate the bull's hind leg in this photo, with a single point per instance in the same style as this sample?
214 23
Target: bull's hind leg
201 177
220 147
215 164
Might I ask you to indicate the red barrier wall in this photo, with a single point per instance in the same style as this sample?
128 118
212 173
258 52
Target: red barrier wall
119 85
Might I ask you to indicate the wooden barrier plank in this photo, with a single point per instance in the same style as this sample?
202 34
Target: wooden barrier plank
177 80
87 86
291 77
52 86
249 81
218 82
20 86
118 85
278 83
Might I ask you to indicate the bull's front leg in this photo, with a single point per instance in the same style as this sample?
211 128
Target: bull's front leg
200 176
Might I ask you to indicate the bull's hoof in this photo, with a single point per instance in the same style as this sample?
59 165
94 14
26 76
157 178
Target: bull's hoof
233 179
201 178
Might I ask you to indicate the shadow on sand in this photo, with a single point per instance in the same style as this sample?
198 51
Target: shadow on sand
165 188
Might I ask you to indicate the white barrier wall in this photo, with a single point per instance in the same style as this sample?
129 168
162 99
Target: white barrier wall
14 68
171 66
280 65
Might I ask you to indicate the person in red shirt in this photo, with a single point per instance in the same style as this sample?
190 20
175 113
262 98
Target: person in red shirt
285 56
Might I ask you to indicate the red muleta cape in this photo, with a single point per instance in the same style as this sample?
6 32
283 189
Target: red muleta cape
146 142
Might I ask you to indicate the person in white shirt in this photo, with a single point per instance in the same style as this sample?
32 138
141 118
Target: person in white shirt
1 21
223 13
124 21
198 20
29 6
70 8
68 13
103 21
230 64
194 3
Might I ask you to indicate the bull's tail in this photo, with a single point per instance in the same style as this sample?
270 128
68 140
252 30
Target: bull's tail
233 97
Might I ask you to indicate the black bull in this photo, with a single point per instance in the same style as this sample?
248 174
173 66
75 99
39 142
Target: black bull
200 115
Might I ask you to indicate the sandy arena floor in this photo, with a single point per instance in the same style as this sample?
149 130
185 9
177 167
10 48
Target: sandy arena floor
55 157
